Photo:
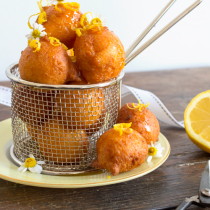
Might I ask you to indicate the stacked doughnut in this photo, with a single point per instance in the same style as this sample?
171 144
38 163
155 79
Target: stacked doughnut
66 47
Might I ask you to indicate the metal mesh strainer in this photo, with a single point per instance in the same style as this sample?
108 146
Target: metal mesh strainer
60 124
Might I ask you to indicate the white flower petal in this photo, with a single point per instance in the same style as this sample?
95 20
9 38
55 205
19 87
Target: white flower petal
149 159
32 169
158 156
38 168
28 36
24 170
21 168
43 33
40 162
31 156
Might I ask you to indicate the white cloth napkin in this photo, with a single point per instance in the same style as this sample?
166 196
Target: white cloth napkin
156 106
5 96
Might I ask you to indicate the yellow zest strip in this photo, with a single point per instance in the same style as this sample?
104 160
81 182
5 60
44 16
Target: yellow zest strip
123 127
42 17
40 5
55 42
48 3
29 25
74 6
83 20
35 44
78 32
138 106
64 46
58 9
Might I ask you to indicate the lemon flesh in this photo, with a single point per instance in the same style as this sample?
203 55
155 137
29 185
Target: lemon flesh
197 120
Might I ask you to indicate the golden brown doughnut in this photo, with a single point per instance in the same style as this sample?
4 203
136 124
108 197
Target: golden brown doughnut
143 121
99 55
118 153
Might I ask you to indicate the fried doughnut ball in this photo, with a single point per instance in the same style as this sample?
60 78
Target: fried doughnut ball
32 106
59 144
59 24
99 55
143 121
81 108
118 153
50 65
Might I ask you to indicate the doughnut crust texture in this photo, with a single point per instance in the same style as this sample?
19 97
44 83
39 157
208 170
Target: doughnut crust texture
59 24
144 122
99 55
120 153
50 65
59 144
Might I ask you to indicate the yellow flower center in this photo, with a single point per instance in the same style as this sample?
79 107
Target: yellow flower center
152 151
35 44
55 42
139 106
36 33
30 162
123 127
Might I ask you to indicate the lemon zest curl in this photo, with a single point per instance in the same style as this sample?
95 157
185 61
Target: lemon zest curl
73 6
139 106
64 46
55 42
29 25
35 44
123 127
94 25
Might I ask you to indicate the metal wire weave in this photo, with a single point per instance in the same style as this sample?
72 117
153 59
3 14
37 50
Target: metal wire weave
61 126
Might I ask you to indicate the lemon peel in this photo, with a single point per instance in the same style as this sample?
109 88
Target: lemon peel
55 42
35 44
64 46
29 20
140 105
123 127
196 120
73 6
42 15
57 8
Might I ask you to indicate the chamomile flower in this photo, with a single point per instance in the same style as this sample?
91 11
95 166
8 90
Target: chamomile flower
91 17
32 165
38 31
154 151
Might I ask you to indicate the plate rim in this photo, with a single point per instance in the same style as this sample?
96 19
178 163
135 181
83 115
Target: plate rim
87 185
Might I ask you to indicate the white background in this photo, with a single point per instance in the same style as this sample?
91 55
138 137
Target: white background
186 45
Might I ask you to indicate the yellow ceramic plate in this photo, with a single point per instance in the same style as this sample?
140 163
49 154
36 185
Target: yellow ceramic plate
8 170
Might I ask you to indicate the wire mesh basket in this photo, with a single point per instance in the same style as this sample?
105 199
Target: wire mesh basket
60 124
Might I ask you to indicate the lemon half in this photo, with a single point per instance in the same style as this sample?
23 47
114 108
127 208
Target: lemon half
197 120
